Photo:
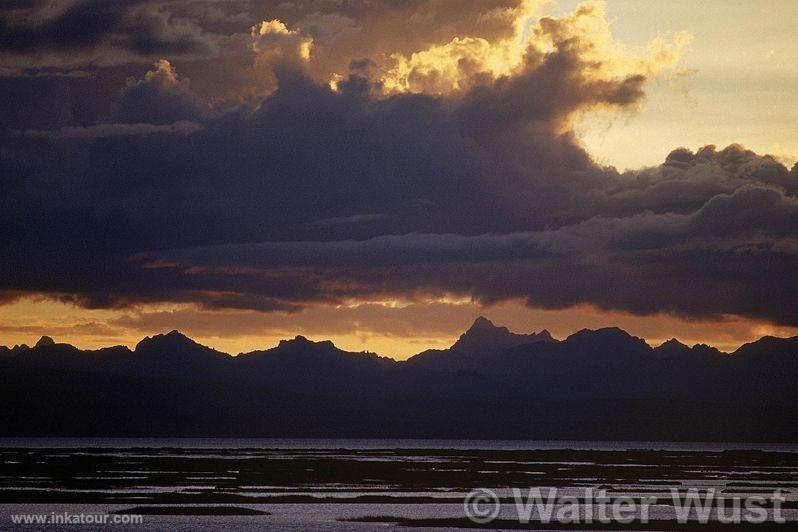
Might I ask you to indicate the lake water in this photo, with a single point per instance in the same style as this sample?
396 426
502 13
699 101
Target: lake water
316 484
366 444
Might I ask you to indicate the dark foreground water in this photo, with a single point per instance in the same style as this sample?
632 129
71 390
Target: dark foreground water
356 444
368 484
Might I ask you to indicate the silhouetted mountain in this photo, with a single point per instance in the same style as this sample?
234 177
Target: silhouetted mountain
492 383
45 341
476 347
175 354
483 337
48 354
673 348
301 364
770 346
6 351
540 357
607 341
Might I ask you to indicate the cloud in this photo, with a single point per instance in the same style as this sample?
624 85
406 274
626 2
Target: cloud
380 30
459 63
276 47
273 38
58 34
432 319
162 97
183 127
467 181
7 72
726 258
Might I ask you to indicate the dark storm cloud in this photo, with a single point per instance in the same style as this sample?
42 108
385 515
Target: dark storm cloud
734 255
99 32
311 195
160 98
209 41
80 25
96 31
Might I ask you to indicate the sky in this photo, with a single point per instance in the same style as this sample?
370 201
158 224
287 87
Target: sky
736 83
381 173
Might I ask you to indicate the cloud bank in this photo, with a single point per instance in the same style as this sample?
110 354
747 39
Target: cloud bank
439 159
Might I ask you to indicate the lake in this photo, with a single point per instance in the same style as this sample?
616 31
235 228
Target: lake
362 484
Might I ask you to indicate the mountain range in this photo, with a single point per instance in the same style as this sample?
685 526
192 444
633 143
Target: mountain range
492 383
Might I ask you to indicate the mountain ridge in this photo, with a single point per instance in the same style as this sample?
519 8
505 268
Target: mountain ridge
601 384
466 343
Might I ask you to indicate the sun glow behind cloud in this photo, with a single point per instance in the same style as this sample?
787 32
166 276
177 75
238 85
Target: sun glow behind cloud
467 60
396 329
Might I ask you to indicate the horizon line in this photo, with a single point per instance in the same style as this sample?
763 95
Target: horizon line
316 340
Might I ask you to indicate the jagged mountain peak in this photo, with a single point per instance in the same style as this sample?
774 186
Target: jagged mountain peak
175 335
707 350
174 344
45 341
19 348
672 348
604 333
673 342
303 361
485 337
170 337
302 342
484 323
